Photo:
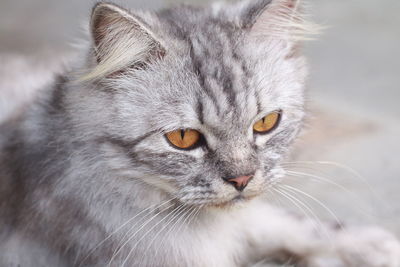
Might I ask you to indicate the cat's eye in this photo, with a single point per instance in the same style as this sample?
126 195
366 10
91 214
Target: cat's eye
267 123
184 138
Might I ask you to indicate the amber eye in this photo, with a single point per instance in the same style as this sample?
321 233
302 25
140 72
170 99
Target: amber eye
184 139
268 123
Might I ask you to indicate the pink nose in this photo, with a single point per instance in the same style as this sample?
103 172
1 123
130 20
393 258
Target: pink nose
240 182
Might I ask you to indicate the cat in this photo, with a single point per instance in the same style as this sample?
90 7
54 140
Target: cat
157 147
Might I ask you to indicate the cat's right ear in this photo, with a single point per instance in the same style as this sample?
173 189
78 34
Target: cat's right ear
120 40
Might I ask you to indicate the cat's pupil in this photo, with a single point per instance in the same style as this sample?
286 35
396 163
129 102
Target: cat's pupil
182 134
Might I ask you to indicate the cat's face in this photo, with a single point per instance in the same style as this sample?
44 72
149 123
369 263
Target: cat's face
216 82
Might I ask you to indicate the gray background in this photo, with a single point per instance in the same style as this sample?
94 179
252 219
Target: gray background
353 96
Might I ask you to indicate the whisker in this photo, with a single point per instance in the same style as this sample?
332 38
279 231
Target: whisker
293 199
132 228
291 188
191 218
190 211
140 228
319 178
344 229
146 233
177 214
275 199
155 206
326 180
338 165
188 220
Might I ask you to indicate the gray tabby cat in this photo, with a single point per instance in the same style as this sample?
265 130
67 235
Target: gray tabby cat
156 147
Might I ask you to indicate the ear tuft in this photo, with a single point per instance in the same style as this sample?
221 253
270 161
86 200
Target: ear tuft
284 19
120 40
251 11
277 18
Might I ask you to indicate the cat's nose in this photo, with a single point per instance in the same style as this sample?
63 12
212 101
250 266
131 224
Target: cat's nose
239 182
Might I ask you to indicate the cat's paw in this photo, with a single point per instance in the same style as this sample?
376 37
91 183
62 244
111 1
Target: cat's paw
368 247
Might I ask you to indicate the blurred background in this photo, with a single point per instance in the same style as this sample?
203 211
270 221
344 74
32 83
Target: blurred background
348 159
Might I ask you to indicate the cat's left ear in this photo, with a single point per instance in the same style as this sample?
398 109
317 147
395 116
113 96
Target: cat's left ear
120 39
276 18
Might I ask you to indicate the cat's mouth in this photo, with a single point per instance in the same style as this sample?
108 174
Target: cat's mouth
221 199
240 198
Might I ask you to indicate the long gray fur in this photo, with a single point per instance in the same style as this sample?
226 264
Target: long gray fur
85 170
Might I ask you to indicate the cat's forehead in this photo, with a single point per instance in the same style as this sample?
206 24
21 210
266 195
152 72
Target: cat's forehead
211 75
226 90
230 75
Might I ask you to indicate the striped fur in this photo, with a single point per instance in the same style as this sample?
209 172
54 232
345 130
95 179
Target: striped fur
87 177
279 20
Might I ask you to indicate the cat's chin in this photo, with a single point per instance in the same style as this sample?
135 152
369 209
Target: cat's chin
237 201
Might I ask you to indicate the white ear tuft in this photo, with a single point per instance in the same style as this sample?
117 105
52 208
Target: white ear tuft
120 40
284 19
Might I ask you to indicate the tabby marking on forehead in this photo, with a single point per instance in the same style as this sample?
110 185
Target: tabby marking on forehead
131 39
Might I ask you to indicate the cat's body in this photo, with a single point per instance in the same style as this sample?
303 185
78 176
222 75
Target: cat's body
88 177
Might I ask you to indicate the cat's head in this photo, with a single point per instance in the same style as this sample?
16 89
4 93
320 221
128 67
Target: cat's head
201 103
